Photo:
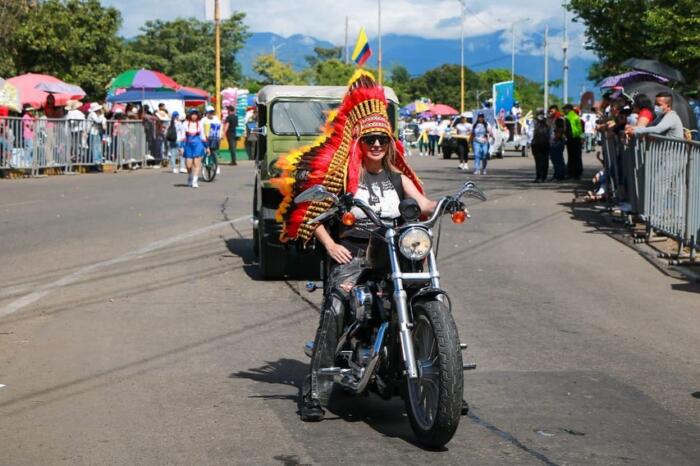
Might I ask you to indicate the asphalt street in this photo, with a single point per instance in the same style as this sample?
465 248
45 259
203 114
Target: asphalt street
134 330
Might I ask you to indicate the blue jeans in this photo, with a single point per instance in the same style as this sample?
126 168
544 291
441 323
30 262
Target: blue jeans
28 155
481 155
96 148
173 151
556 154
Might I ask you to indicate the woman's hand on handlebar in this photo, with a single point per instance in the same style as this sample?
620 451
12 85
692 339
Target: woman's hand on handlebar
339 253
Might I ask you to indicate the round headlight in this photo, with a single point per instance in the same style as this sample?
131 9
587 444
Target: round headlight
415 243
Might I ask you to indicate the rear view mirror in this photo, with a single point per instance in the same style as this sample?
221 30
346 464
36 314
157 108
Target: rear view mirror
315 193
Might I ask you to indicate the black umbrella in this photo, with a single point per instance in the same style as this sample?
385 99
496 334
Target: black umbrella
680 105
656 67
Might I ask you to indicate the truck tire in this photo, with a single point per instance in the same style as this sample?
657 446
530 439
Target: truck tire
272 256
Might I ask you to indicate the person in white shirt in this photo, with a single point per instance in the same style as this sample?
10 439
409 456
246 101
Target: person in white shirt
97 126
423 138
463 131
76 125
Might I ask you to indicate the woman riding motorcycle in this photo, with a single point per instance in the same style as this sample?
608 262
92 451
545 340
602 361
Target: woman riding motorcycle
358 154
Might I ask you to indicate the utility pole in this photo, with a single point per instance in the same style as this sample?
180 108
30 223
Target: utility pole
379 28
461 59
346 40
512 34
565 47
217 34
274 49
546 68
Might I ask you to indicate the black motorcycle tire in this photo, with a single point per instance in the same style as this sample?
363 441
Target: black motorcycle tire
433 319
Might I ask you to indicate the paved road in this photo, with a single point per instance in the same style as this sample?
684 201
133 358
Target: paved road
134 330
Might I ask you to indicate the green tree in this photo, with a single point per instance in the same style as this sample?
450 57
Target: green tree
323 54
74 40
274 71
330 73
184 50
400 81
657 29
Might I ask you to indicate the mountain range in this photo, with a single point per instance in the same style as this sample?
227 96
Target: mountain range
419 54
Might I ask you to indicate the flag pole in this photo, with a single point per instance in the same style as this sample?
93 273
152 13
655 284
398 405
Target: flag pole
379 28
217 34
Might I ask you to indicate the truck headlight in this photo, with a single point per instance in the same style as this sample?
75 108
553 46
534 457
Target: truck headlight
415 243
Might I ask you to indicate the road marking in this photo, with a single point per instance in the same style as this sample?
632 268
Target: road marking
13 204
39 293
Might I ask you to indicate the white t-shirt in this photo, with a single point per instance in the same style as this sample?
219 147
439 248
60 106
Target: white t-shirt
434 129
463 129
589 126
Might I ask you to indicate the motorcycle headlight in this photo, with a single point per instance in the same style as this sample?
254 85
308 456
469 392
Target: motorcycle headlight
415 243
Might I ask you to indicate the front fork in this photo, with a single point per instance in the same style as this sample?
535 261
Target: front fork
401 303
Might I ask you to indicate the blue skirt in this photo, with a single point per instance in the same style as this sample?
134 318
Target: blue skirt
194 147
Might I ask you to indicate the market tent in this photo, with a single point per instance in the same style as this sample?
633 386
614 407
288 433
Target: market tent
26 85
439 109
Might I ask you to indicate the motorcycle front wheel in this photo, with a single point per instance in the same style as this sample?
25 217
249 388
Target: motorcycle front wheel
434 400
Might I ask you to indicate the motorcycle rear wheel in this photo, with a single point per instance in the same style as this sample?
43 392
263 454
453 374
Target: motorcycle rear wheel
434 400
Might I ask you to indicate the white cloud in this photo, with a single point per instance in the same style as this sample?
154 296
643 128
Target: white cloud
325 19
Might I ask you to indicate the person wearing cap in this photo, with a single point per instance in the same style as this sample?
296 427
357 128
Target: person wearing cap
195 147
97 126
76 125
212 131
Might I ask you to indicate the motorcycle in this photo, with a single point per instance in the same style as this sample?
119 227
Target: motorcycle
400 337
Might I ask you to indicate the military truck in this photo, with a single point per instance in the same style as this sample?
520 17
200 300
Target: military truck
289 117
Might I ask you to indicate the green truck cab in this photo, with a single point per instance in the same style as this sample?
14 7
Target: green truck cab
289 117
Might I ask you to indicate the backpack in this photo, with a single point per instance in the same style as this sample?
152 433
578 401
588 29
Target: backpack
541 133
171 134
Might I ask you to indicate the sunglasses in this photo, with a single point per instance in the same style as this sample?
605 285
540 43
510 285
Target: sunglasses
370 139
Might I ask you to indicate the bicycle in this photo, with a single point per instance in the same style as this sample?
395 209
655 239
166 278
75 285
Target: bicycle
210 166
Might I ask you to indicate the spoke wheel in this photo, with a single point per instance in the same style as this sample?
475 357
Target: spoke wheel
434 399
209 167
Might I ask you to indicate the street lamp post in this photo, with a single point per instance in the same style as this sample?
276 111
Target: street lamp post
512 34
275 47
217 40
379 39
461 57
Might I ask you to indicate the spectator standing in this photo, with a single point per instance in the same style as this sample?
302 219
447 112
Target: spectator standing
162 112
433 135
589 131
642 106
7 137
667 122
541 137
97 125
28 124
574 146
251 140
480 136
76 125
423 139
463 131
212 131
230 125
171 138
557 143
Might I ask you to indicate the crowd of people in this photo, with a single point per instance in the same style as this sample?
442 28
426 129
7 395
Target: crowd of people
94 134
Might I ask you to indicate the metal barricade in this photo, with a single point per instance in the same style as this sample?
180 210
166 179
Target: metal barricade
610 158
693 210
667 186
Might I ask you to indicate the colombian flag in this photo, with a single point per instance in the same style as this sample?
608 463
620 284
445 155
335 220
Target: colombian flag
362 51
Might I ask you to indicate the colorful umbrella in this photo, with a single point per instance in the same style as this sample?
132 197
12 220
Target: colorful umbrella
143 79
630 77
440 109
60 88
9 97
26 85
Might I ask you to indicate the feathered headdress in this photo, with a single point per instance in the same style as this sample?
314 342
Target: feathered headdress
334 159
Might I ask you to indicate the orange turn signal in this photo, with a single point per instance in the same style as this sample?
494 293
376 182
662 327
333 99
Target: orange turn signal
348 219
459 217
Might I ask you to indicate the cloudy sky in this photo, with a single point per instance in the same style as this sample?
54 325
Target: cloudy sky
325 19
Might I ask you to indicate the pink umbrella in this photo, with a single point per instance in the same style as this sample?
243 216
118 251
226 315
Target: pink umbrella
27 84
440 109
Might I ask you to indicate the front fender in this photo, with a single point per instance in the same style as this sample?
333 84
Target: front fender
428 294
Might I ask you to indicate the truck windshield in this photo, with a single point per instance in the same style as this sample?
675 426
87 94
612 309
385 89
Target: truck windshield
304 118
